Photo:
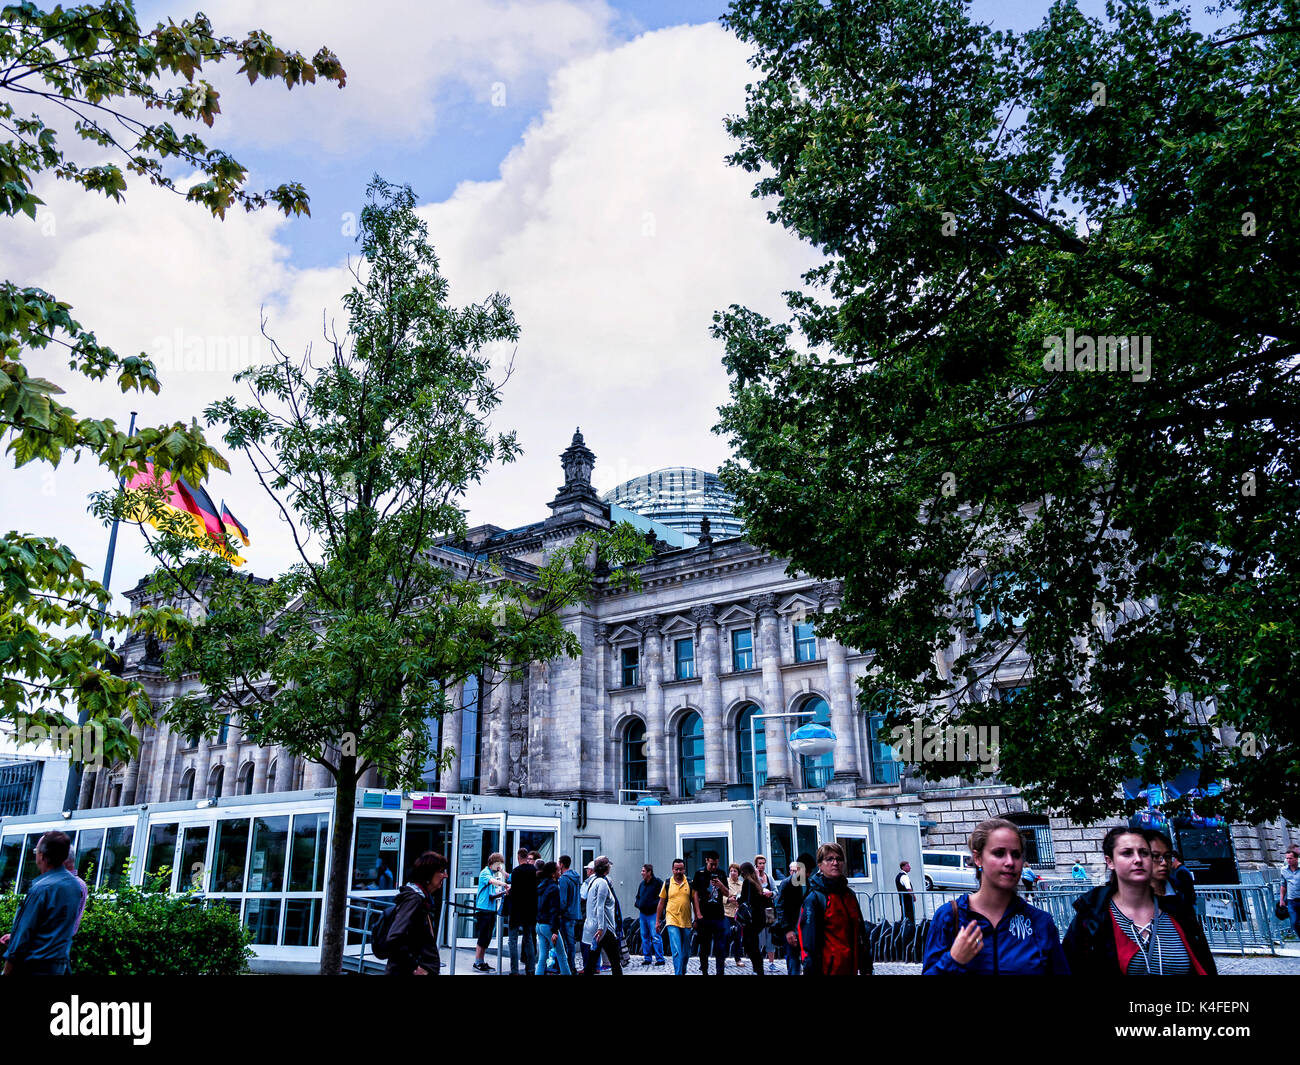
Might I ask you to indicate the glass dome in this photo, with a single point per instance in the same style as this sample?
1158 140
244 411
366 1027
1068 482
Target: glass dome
680 497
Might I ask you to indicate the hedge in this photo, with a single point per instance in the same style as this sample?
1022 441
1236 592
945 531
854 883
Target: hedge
130 931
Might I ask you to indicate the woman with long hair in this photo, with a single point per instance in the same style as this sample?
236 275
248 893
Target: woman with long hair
993 930
751 903
1122 928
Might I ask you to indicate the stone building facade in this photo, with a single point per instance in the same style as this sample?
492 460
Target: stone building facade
663 701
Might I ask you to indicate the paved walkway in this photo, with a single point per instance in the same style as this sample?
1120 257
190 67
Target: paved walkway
1229 965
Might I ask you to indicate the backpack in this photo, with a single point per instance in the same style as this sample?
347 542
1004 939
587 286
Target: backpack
379 937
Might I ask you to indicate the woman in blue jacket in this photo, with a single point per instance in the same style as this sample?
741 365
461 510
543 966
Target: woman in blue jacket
994 931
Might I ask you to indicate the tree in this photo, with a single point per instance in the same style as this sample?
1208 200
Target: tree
999 471
92 71
344 659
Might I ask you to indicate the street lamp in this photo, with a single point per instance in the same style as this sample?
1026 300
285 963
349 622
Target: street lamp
815 739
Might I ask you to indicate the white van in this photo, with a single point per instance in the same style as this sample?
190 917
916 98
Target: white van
950 870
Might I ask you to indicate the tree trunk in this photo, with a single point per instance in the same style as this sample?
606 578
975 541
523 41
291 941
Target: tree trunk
336 893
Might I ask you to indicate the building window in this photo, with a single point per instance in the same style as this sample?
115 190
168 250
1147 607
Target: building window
470 736
270 776
245 785
215 780
631 667
224 733
805 642
1036 832
993 593
742 649
185 790
690 751
751 748
884 768
685 659
857 851
635 765
817 771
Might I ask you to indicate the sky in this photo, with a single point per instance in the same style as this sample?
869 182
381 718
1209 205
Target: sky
566 153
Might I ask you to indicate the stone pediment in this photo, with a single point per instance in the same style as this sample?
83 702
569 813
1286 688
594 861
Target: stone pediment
678 625
735 614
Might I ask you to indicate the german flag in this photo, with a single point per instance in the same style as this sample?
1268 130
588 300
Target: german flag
206 526
234 527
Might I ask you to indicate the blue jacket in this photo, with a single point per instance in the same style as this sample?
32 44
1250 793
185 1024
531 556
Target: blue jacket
1025 942
570 887
46 919
550 908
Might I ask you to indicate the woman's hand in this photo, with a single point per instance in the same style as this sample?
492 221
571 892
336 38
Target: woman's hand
969 942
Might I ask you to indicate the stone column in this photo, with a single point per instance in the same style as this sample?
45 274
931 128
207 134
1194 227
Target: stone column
604 773
132 775
451 726
230 777
652 669
202 766
847 763
768 651
164 776
494 765
715 756
261 763
86 795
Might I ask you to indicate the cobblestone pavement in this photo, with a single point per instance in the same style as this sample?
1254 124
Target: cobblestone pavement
1228 964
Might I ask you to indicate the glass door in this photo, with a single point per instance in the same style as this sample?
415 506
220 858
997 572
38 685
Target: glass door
477 836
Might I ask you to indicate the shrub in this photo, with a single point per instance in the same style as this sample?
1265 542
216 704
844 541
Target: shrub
135 931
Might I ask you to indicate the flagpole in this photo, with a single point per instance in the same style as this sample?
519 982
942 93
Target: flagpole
71 793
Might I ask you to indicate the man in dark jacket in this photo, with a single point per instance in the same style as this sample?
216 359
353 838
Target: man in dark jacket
523 913
832 934
570 885
1182 881
40 943
1092 943
647 904
789 905
413 935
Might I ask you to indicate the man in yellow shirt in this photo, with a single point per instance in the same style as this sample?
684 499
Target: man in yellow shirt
675 906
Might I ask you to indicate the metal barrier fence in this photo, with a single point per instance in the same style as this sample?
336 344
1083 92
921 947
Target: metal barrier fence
1237 918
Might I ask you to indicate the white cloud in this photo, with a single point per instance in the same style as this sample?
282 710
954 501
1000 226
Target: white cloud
403 60
615 228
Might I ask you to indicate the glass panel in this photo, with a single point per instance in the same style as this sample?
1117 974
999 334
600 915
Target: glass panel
885 769
685 659
691 753
270 844
805 643
194 852
228 860
541 840
11 860
307 863
635 764
30 871
117 849
378 851
806 841
631 666
856 855
302 922
89 842
693 849
161 852
263 917
745 737
817 771
781 848
233 905
469 737
742 649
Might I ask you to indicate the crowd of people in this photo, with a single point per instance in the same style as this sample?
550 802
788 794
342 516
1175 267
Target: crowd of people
556 921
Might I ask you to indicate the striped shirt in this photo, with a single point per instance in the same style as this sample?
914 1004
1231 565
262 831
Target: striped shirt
1160 948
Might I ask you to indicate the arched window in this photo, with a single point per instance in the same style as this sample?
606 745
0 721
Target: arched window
990 601
270 775
185 789
884 768
244 785
470 736
635 766
817 771
215 779
690 752
751 747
